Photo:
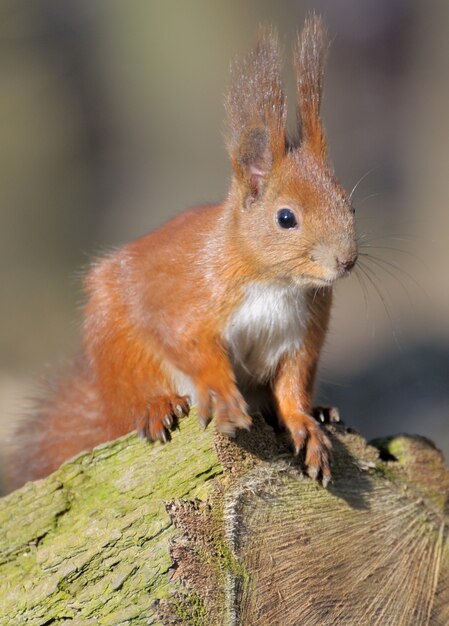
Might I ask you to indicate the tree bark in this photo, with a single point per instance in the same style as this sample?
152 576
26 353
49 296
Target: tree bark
207 530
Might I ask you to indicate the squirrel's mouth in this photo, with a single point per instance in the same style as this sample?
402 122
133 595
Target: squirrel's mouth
329 279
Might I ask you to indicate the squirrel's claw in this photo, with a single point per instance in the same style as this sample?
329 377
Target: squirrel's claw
308 436
326 414
162 416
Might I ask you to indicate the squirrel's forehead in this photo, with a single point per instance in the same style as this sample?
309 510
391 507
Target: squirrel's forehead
307 178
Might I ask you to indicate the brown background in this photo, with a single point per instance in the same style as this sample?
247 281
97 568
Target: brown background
112 118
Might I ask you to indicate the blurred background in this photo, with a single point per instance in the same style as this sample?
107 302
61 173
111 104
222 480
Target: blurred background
112 121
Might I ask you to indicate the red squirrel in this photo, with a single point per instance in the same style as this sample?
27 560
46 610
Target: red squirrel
221 300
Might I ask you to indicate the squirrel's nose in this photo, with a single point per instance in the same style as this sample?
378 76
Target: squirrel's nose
346 265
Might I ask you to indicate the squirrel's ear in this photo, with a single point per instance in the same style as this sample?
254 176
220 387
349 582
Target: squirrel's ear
256 111
309 59
253 160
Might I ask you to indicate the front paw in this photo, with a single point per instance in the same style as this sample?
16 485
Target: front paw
161 416
228 407
308 435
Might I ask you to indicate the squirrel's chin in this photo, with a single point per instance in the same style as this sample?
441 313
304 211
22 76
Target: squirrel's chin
322 282
329 280
314 282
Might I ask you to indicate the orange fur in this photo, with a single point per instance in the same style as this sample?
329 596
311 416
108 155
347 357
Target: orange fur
167 311
293 389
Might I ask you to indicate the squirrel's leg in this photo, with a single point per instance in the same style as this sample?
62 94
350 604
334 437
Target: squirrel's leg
138 390
206 362
293 388
293 401
134 389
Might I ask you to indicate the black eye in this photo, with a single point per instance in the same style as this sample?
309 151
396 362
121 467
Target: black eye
286 218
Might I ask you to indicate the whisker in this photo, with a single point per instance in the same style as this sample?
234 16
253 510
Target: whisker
369 276
412 254
398 268
392 274
369 197
408 253
361 179
285 262
363 288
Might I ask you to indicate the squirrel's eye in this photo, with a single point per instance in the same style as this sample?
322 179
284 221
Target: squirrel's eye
286 218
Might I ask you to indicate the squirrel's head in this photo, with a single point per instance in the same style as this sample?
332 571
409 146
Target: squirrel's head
293 219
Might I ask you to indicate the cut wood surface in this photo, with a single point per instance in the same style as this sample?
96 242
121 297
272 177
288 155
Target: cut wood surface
207 530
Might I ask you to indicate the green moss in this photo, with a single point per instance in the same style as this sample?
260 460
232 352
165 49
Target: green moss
388 447
228 562
385 471
97 531
190 608
397 449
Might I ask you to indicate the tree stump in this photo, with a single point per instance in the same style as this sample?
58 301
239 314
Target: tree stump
208 530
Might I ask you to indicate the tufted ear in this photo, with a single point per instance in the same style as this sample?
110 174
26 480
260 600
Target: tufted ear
309 59
256 112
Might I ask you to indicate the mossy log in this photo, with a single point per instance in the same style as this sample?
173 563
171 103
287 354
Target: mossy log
207 530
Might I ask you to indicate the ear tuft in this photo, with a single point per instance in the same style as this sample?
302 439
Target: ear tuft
256 110
309 58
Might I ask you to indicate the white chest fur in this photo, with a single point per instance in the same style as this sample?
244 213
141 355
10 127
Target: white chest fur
269 323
